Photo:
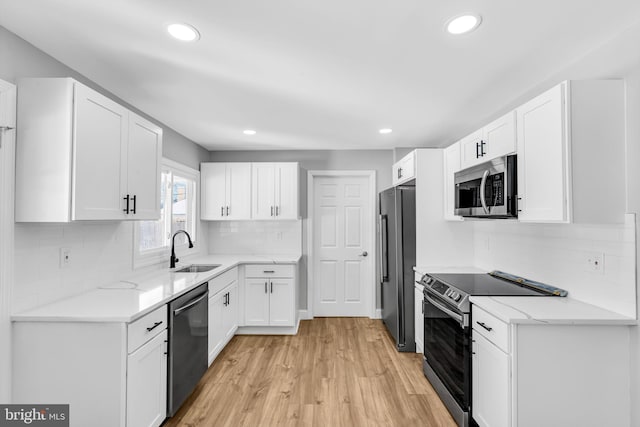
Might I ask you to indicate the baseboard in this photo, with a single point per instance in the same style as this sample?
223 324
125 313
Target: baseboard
378 314
269 330
304 315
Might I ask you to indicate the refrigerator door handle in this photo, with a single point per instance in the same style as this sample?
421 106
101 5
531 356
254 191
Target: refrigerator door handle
384 253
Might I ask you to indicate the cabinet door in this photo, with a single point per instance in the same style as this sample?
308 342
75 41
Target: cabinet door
396 173
408 165
470 150
263 191
419 321
451 166
99 156
230 317
213 188
543 159
216 328
491 384
499 137
256 302
286 197
147 383
282 304
143 167
239 190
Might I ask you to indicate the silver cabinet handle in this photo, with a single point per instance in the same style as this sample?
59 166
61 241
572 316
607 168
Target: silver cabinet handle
483 184
268 271
271 287
227 210
265 287
271 210
221 210
277 210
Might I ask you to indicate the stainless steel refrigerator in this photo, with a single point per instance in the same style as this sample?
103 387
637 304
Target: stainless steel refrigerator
397 222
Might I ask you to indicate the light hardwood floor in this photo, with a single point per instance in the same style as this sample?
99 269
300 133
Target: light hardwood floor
335 372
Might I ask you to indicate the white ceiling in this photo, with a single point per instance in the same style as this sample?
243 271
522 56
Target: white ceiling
318 75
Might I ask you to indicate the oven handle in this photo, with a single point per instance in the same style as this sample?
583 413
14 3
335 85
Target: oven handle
458 317
483 184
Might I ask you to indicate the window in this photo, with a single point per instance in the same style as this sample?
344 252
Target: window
178 211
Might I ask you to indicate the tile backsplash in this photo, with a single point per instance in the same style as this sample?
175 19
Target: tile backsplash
558 254
99 253
255 237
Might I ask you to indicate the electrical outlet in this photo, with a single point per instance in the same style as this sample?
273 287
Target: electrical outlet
595 262
65 257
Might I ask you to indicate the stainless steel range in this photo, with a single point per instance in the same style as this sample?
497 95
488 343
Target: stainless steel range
447 332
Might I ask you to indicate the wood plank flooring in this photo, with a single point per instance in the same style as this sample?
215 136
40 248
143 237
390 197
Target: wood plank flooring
335 372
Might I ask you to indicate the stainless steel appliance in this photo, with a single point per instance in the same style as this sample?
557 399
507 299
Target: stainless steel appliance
188 338
488 190
397 209
447 331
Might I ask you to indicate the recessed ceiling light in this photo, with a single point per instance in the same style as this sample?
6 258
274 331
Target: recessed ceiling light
249 132
386 130
463 24
184 32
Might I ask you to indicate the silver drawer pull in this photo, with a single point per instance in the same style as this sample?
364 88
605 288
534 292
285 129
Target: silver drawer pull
268 271
484 326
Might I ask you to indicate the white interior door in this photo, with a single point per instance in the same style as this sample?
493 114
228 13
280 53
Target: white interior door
342 247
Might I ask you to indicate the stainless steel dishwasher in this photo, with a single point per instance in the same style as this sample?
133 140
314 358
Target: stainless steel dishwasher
188 335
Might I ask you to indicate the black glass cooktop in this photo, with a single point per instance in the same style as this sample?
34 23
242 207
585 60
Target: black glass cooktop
484 284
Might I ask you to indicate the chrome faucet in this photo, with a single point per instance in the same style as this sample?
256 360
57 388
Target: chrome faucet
173 260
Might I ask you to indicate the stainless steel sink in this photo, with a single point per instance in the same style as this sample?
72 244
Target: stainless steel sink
197 268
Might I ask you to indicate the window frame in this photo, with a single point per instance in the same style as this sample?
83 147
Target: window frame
161 255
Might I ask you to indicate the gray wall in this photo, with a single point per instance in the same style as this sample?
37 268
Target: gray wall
377 160
19 59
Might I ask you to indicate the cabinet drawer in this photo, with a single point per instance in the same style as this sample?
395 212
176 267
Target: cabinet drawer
490 327
220 282
145 328
269 270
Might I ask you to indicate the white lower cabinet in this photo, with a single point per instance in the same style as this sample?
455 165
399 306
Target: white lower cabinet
223 311
419 320
269 295
112 374
490 391
546 374
147 383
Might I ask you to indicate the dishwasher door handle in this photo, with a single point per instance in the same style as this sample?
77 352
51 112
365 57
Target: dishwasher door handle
187 306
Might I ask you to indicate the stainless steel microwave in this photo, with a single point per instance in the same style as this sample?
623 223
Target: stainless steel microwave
488 190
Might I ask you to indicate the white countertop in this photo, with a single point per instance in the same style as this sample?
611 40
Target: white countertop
549 310
127 300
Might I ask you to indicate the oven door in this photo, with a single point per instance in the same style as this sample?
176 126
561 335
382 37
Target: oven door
487 190
447 351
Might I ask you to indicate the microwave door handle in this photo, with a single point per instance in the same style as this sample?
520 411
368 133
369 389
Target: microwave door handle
483 184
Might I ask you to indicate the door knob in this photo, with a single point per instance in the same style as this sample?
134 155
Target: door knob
365 253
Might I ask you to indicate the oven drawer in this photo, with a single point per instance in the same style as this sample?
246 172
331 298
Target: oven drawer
490 327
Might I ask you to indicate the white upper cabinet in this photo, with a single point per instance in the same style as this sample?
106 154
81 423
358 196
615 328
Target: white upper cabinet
404 170
571 154
496 139
81 156
226 191
144 156
274 191
451 165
